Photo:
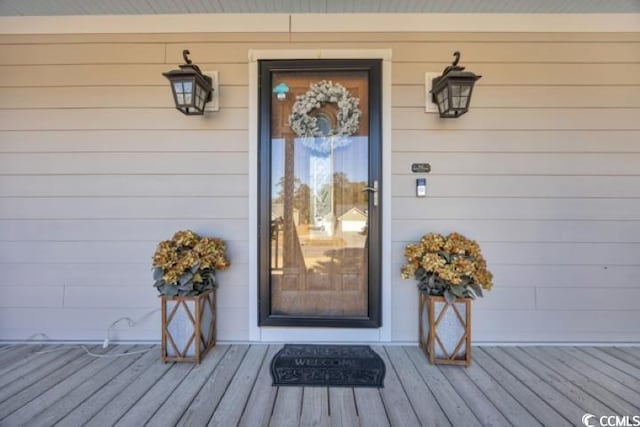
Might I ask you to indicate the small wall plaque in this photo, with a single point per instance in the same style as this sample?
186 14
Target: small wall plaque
421 167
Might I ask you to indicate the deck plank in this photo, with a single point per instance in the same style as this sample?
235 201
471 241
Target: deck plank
16 355
130 396
81 415
525 388
31 363
493 389
205 402
481 406
287 407
586 402
396 402
633 350
234 400
422 398
623 353
583 384
187 390
370 407
146 407
260 404
66 381
595 365
87 388
315 407
612 360
29 377
449 400
595 382
22 391
342 407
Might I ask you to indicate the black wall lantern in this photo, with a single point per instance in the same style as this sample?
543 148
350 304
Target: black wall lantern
451 92
191 89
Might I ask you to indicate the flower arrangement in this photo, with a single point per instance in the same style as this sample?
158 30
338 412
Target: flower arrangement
306 126
186 264
450 266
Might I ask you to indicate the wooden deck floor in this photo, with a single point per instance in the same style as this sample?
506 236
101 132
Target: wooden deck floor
522 386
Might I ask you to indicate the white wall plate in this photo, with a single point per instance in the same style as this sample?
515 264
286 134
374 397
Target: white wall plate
429 105
214 104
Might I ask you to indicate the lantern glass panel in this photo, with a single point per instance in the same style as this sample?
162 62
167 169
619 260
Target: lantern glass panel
178 90
456 101
200 97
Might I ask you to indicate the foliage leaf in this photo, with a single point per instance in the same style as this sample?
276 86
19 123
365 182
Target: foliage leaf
477 289
449 297
457 291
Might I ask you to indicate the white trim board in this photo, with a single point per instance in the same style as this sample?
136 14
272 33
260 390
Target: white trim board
335 22
271 334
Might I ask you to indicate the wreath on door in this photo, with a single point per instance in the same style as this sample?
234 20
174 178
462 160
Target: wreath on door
305 125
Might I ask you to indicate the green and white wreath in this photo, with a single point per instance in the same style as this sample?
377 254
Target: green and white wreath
306 126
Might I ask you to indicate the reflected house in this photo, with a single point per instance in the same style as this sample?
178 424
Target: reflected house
354 220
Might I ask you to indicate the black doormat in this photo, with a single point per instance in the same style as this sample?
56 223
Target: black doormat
328 366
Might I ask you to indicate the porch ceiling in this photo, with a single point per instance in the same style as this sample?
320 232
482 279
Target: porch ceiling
152 7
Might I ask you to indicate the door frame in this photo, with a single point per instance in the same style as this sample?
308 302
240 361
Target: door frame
319 334
373 68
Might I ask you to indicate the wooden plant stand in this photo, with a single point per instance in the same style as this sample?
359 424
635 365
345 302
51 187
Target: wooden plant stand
445 330
188 327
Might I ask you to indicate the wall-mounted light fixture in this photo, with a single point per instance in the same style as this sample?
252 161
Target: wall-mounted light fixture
451 91
192 88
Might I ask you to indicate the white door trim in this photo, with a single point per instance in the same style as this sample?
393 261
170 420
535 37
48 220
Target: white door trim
281 334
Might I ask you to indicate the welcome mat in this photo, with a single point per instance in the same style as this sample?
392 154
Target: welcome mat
327 366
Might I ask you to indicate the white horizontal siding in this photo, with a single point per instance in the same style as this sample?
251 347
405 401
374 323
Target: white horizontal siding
106 97
96 167
105 119
108 75
537 253
82 53
520 185
549 96
105 274
91 324
516 141
516 208
124 207
95 251
567 231
115 229
522 163
124 141
123 163
125 185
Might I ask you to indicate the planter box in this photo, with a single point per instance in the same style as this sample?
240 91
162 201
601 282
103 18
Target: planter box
188 327
445 330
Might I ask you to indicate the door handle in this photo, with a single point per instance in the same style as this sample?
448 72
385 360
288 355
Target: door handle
373 189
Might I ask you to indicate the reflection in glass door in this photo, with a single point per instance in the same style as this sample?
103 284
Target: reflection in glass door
321 161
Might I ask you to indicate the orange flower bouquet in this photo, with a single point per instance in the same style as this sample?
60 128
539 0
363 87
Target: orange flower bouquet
451 266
